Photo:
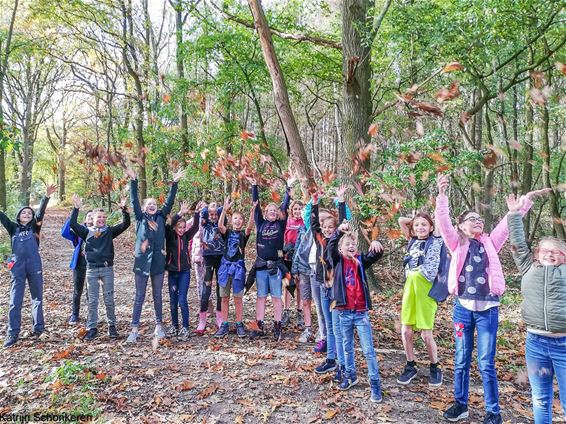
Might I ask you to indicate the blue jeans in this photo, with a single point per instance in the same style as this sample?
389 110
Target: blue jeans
156 291
359 320
93 276
18 276
178 290
465 324
546 357
334 343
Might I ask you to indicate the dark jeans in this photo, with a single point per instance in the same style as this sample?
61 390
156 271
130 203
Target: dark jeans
21 272
178 290
465 324
156 291
211 266
79 277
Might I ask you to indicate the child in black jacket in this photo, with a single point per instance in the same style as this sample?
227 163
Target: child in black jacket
99 253
25 264
351 298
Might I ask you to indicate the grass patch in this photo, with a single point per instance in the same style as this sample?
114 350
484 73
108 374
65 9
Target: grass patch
511 298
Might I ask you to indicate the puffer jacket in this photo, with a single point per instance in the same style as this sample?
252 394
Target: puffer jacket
300 264
543 287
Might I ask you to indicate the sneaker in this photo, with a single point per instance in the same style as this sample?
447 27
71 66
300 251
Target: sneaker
259 333
183 334
112 331
223 330
409 373
435 378
320 346
35 334
158 332
300 320
348 382
286 318
340 373
277 330
376 395
241 329
91 334
492 418
172 331
306 336
456 412
10 341
329 365
74 319
133 337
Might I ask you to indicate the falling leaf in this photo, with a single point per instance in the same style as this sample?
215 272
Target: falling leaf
128 145
166 98
394 234
245 135
331 413
537 96
275 196
561 67
452 67
205 167
428 108
419 127
447 94
373 130
515 145
328 176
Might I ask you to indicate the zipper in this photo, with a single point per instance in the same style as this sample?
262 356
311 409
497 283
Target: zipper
544 306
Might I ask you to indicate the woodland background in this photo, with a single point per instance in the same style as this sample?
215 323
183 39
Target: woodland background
382 95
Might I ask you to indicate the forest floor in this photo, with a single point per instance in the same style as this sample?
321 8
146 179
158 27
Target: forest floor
229 380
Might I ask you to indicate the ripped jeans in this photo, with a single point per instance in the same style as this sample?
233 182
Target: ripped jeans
546 357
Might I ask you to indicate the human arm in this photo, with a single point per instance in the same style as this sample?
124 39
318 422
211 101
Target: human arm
442 216
307 214
222 220
50 189
332 253
8 223
193 229
250 225
522 255
314 218
405 225
258 215
134 199
170 201
79 229
123 226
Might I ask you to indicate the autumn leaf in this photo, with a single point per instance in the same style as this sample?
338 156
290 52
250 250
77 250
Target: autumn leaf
428 108
166 98
331 413
63 354
447 94
246 135
452 67
328 176
185 386
561 67
100 376
373 130
538 96
81 333
128 145
394 234
205 168
209 390
275 196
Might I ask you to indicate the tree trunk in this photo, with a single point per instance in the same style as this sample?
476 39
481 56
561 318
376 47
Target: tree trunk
298 154
181 75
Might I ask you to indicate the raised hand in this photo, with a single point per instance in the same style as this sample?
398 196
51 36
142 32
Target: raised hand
184 208
77 202
340 191
131 173
443 183
531 195
200 206
178 175
227 204
375 247
344 227
50 189
123 203
514 203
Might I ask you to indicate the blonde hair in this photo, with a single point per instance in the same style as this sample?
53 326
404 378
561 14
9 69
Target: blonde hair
558 243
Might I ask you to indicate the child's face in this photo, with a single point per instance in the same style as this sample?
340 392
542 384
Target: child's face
212 214
328 227
297 211
237 221
421 228
271 213
99 219
180 227
89 219
348 248
550 254
150 206
472 226
26 216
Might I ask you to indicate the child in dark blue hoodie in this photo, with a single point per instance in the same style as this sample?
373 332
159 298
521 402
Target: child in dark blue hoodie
25 264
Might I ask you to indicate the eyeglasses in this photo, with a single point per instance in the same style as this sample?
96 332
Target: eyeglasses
551 252
474 219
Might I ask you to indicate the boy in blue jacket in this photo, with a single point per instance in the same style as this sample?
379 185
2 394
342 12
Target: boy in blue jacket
78 265
25 264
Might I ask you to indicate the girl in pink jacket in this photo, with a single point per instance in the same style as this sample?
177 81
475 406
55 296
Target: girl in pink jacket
476 279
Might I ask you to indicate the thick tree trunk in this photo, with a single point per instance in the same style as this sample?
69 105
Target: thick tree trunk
298 154
181 75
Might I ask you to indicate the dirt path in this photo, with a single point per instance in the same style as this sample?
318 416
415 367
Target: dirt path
231 380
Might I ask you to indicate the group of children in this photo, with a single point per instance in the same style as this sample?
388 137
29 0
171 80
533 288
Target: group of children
314 252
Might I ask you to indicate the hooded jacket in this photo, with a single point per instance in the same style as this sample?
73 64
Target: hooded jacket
178 247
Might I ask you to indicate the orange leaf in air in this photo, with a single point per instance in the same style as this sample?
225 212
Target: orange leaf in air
446 94
205 167
561 67
245 135
328 176
162 198
394 234
452 67
373 130
275 196
428 108
166 98
128 144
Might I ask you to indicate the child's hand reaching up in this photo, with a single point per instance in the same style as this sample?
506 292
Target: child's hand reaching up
184 208
375 247
532 195
76 201
344 227
443 183
514 203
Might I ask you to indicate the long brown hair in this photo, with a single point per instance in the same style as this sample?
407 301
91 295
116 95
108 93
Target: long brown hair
425 216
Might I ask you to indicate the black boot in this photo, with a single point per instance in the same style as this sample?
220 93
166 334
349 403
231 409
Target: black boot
277 332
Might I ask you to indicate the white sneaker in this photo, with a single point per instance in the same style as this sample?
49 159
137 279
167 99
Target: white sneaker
133 337
159 331
306 336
